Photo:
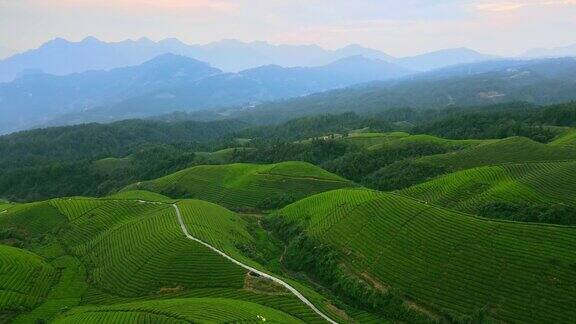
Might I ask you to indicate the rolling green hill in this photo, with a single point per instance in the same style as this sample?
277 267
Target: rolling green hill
508 150
568 139
377 140
439 261
190 310
24 280
129 250
247 185
470 190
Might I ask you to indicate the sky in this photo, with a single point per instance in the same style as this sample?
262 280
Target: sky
400 28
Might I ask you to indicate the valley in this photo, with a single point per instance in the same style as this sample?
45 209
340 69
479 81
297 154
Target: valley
234 161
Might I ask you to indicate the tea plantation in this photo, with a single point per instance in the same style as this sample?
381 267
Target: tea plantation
247 185
441 261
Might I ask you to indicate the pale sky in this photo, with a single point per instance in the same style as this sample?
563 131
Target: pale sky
397 27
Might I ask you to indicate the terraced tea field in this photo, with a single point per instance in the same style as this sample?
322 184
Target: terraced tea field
374 141
246 185
445 260
189 310
568 139
509 150
468 190
25 278
131 247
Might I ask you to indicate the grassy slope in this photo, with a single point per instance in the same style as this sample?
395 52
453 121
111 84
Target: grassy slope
191 310
440 258
25 279
468 190
374 141
509 150
120 249
567 139
246 185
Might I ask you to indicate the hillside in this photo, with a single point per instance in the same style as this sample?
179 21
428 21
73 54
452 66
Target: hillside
508 150
87 254
169 83
24 280
34 99
375 141
441 262
569 139
472 190
247 185
229 55
188 310
540 82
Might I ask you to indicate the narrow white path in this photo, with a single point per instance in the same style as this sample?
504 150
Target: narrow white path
249 268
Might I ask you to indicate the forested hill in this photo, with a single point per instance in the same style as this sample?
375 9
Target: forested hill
540 82
103 140
94 159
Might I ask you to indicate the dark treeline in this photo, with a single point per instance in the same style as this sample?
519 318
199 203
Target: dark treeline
88 178
314 126
60 161
64 161
93 141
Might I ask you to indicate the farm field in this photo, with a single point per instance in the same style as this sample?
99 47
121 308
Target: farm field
567 139
216 310
508 150
246 185
442 260
85 253
469 190
25 278
375 140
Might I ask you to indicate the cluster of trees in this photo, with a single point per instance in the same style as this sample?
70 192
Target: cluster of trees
61 161
320 262
527 212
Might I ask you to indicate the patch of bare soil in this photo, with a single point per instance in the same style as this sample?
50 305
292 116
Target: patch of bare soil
257 284
338 311
422 309
375 282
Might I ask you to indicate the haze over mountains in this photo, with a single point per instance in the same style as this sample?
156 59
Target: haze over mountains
171 82
561 51
66 82
61 57
541 82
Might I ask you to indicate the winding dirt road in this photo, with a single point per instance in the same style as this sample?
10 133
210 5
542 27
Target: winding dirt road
249 268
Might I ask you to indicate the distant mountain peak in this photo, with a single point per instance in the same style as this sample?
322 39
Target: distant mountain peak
443 58
145 40
58 41
169 58
91 39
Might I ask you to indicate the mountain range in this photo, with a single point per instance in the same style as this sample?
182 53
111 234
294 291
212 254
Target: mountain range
539 81
61 57
168 83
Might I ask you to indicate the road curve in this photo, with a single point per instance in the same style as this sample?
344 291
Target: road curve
249 268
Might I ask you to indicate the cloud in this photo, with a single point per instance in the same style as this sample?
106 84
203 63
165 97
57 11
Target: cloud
213 5
499 7
507 6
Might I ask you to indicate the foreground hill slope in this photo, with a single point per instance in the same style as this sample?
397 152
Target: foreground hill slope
443 262
25 278
247 185
128 248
